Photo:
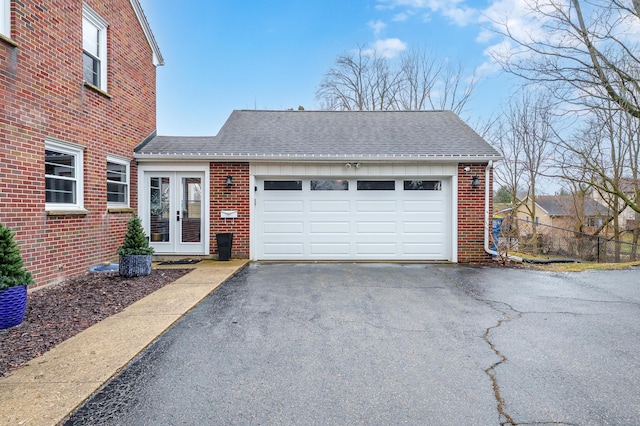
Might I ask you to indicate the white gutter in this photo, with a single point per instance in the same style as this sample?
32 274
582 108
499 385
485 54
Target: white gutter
227 157
487 224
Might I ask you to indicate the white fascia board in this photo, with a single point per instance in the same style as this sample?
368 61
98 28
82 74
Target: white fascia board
146 28
311 158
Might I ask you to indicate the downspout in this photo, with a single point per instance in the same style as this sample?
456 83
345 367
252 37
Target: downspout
487 247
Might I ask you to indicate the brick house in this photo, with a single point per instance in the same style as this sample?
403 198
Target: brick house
322 185
79 153
77 95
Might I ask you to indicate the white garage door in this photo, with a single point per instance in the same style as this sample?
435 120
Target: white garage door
359 219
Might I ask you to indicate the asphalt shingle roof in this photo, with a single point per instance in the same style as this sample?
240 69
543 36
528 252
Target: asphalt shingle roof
250 134
565 205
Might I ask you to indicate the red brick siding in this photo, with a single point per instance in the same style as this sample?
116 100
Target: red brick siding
42 95
471 213
236 197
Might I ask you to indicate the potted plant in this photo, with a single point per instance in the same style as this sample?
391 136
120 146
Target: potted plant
14 279
135 253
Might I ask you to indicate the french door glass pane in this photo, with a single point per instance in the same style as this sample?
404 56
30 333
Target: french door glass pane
191 210
159 197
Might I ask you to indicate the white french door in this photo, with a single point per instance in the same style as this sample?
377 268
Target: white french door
174 211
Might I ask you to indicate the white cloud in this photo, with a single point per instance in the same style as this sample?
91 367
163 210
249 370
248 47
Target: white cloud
461 16
485 36
487 69
516 16
377 27
455 10
387 48
400 17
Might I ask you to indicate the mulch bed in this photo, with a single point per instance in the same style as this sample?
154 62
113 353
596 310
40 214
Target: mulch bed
57 313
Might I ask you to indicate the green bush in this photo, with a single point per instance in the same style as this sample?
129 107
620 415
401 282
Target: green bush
135 241
12 272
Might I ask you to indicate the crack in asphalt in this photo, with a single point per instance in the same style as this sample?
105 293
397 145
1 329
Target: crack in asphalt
509 314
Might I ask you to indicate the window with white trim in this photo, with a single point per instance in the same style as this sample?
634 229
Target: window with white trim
94 45
5 18
117 181
64 178
595 221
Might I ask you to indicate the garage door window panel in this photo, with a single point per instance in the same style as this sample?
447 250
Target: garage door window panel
329 185
283 185
422 185
376 185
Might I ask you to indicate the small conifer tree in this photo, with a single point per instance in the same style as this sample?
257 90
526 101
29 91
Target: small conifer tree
12 272
135 240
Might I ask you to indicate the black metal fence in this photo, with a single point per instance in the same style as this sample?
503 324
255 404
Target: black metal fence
513 235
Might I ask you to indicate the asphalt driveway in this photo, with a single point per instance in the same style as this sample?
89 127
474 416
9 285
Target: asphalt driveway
391 344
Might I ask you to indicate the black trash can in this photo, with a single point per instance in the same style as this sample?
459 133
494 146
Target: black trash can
224 241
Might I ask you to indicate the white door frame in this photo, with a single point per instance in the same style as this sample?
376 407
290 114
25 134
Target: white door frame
145 170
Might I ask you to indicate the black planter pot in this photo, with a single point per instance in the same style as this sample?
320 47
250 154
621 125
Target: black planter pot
13 305
135 265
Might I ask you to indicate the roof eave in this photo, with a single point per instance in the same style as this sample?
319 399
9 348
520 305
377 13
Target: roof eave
146 28
168 156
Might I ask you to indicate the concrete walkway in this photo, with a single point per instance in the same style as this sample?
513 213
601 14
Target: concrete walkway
53 385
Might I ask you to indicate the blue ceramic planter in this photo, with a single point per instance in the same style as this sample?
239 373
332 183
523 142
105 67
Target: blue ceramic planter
13 304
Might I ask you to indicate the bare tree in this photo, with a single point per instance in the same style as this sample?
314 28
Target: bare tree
604 157
431 83
586 51
524 136
455 89
359 82
508 173
364 81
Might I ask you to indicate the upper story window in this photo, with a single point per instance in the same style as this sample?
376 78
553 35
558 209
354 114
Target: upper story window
63 175
5 18
94 45
117 181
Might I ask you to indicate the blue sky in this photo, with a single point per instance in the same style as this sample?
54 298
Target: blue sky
222 55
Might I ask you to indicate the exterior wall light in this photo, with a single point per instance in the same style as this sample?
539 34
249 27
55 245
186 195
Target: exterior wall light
229 181
475 182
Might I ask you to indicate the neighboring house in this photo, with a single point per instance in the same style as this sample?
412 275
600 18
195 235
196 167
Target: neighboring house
564 211
321 185
77 94
629 218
